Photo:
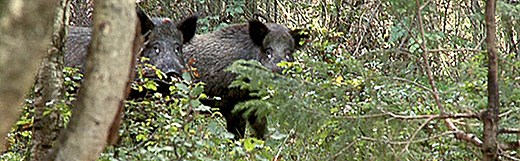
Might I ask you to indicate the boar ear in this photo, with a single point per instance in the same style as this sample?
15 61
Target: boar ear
188 27
145 21
257 31
298 35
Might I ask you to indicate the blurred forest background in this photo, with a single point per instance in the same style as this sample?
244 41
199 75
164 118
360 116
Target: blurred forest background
371 83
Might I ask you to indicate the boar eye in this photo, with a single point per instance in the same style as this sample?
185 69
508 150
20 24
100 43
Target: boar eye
288 58
156 48
269 53
177 49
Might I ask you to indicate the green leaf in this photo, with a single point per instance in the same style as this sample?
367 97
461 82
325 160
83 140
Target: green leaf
196 91
278 136
150 85
195 103
182 87
140 137
186 76
159 74
249 144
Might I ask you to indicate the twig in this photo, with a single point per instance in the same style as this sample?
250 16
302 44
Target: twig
414 83
408 142
415 134
424 5
426 62
402 117
365 29
509 145
510 157
505 113
284 142
509 131
453 50
445 116
343 149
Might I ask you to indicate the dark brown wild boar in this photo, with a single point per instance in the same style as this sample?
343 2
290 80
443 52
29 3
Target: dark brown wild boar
268 43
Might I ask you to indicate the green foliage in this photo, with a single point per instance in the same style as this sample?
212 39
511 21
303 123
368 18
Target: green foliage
20 137
344 98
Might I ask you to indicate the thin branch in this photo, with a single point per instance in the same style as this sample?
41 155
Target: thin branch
453 50
425 4
509 131
343 149
510 145
460 135
510 157
415 134
426 62
365 28
362 117
408 142
276 157
445 116
505 113
414 83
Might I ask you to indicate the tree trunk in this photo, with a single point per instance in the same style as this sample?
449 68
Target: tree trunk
25 29
490 116
49 86
107 74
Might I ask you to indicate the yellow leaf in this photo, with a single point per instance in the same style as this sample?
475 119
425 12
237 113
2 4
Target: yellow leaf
339 79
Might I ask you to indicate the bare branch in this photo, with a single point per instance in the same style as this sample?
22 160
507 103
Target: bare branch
365 28
460 135
510 145
343 149
408 142
510 157
414 83
415 134
509 131
426 63
454 50
445 116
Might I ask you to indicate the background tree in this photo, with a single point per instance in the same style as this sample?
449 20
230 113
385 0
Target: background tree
25 29
49 89
490 116
108 71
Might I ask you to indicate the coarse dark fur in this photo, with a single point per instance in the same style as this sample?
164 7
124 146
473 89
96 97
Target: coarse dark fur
162 47
267 43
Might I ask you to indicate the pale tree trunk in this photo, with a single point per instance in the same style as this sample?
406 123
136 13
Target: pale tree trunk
49 88
25 30
490 116
107 74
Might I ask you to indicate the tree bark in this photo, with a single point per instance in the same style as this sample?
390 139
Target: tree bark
490 116
105 83
49 89
25 29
